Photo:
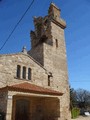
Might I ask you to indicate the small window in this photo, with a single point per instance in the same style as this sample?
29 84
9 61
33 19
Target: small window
18 71
24 73
56 43
29 73
48 80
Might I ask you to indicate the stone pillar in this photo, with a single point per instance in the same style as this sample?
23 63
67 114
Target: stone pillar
9 108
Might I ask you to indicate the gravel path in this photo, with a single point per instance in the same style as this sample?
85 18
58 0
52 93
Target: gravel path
82 118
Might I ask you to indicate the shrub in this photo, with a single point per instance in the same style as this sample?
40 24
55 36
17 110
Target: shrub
75 112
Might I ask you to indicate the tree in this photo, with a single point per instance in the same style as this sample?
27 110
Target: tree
72 98
79 98
83 98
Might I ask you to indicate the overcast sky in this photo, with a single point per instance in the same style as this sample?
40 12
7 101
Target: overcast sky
76 13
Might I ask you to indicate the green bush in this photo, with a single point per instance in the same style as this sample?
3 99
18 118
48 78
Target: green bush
75 112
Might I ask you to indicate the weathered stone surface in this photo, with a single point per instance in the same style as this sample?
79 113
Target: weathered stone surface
48 61
54 58
8 69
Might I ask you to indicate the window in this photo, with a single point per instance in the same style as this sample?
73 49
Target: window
24 72
56 43
48 80
18 71
29 73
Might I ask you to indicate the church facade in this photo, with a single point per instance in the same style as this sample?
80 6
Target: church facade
34 84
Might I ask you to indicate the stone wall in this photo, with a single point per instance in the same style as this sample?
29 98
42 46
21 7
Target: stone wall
37 53
54 57
55 62
8 70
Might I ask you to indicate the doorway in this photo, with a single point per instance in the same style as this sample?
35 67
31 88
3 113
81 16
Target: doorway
22 109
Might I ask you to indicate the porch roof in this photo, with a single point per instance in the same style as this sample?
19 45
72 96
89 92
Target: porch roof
31 88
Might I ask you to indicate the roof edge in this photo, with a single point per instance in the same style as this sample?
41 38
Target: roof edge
45 91
21 53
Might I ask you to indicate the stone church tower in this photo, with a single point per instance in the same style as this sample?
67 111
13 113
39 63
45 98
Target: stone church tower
48 48
34 84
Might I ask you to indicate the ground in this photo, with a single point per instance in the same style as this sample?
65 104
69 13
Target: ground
82 118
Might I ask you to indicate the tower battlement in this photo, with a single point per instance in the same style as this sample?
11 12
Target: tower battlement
43 25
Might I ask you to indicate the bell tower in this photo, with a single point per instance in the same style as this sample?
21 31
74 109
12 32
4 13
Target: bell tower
49 31
48 48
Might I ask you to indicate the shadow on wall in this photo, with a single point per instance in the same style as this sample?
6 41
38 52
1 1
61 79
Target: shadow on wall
3 105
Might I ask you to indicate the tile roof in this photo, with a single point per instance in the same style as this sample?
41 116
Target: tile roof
31 88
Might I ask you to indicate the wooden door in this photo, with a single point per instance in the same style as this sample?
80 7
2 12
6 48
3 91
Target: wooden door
22 110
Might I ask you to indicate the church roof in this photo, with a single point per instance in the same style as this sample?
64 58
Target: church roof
31 88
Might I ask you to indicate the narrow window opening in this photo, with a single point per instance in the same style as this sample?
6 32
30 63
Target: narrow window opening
48 80
56 43
18 71
29 73
24 73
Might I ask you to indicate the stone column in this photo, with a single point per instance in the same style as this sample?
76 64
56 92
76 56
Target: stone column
9 108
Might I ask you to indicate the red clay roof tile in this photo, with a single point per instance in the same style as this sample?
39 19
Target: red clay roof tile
31 88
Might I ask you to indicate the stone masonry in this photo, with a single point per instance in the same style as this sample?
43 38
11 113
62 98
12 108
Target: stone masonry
47 61
52 55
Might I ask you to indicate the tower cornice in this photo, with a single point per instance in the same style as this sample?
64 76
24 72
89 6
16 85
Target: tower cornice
53 5
61 23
